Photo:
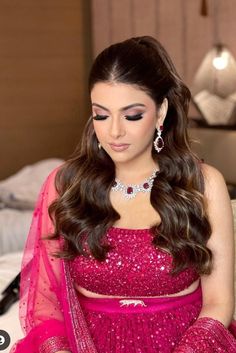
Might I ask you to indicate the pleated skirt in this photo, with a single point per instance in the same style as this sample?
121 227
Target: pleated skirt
140 325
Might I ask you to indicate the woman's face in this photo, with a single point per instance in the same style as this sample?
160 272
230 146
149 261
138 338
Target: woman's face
124 119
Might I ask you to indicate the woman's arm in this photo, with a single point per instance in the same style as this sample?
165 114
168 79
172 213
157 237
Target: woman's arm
209 334
218 287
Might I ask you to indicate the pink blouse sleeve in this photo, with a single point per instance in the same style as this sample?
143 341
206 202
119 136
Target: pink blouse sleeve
40 307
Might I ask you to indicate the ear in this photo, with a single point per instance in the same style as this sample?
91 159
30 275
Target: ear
162 111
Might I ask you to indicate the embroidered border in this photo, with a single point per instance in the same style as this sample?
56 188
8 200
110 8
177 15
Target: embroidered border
54 344
83 339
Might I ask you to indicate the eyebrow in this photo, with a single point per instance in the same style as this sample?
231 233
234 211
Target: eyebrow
121 109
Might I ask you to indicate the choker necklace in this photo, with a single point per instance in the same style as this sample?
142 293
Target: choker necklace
130 191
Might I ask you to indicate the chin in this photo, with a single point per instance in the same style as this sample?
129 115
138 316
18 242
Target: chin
119 158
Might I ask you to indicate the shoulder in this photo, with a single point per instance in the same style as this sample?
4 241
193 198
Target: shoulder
216 196
52 175
49 184
213 180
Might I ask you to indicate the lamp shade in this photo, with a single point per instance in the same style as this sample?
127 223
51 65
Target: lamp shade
214 87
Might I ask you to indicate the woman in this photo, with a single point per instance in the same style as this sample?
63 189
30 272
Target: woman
137 254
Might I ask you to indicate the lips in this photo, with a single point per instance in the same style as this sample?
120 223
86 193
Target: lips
119 147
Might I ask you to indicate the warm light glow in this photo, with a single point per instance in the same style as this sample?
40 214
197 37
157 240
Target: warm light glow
221 60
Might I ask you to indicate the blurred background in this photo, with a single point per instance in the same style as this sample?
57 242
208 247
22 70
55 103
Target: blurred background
47 48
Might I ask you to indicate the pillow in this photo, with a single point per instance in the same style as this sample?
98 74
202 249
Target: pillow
20 190
14 228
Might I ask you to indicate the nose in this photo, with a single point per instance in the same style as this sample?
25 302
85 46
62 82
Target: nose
116 129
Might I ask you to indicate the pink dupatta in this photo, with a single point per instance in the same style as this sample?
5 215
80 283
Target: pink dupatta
50 313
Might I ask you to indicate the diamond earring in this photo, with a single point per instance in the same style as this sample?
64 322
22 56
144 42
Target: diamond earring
158 142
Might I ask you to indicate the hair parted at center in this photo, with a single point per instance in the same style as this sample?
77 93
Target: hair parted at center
83 211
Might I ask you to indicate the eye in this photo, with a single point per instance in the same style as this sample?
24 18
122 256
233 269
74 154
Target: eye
100 117
134 117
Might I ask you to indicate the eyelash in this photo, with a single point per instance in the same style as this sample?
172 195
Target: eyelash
134 117
128 117
100 117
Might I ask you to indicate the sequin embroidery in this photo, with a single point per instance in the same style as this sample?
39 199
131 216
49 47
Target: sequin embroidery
134 267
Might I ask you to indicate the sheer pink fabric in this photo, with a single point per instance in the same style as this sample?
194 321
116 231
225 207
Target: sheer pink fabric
209 336
46 291
50 312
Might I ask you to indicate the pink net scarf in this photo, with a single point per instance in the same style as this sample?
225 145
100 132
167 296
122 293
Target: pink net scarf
46 291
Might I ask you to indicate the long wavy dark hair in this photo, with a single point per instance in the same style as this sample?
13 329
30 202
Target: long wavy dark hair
83 211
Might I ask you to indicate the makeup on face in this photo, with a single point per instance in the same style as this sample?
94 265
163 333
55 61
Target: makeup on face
131 112
134 117
119 147
124 121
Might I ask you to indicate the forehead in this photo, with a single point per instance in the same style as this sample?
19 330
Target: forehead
119 94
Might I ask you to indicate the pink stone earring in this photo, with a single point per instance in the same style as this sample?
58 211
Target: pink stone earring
158 142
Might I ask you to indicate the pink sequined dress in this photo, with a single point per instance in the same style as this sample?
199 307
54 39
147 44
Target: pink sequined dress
135 268
55 317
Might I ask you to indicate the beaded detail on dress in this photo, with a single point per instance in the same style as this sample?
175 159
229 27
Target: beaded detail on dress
133 267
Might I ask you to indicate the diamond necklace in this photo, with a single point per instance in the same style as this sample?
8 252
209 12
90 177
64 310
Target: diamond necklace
130 191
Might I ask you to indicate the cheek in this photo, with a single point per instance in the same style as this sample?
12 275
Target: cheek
144 131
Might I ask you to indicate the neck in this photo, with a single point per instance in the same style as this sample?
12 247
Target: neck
135 173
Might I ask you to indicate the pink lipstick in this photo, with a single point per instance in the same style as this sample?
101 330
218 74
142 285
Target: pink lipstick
119 147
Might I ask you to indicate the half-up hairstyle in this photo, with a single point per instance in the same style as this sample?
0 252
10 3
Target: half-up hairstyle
83 211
